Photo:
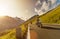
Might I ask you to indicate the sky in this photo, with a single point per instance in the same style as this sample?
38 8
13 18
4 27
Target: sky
23 9
58 1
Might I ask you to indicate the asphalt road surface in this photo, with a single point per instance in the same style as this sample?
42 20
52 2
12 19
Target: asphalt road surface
46 32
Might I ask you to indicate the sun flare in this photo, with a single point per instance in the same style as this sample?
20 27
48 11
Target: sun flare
3 9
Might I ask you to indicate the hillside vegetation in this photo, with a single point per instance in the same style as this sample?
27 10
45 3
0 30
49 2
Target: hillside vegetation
53 16
9 34
14 33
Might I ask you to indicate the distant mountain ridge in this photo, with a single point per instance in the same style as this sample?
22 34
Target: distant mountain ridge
20 21
7 22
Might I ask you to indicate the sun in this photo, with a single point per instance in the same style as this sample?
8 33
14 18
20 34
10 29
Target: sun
3 10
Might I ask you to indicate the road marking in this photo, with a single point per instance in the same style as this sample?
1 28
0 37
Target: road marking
28 34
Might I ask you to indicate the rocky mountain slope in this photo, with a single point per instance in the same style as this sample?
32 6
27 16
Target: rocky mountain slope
7 22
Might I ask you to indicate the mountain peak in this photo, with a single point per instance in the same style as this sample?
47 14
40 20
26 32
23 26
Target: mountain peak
7 22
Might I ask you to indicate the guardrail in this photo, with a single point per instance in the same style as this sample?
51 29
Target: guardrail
51 26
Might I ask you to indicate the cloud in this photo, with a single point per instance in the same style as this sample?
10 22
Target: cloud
37 6
53 1
44 6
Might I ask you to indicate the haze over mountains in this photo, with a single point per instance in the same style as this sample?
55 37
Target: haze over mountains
7 22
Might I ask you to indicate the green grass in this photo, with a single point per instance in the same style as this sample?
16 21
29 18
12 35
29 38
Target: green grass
10 35
52 16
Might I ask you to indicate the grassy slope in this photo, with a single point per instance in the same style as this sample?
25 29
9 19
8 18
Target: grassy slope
52 16
10 35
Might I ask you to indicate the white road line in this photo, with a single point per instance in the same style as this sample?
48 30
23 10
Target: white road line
28 34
